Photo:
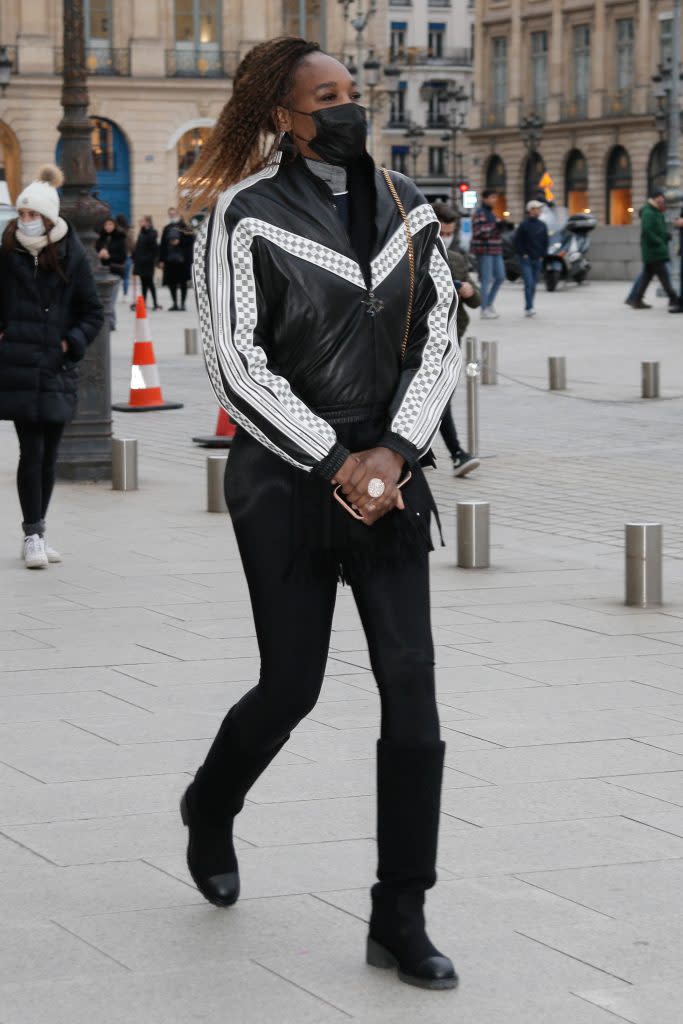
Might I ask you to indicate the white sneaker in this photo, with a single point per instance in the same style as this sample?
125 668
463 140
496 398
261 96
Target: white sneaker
493 315
52 555
34 552
487 314
529 312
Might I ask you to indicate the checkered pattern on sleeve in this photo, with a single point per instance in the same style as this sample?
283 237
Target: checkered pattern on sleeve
434 382
396 248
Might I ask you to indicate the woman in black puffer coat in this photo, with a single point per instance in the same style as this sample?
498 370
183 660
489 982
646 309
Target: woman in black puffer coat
145 257
49 314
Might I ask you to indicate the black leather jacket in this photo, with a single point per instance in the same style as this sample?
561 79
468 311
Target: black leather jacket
292 343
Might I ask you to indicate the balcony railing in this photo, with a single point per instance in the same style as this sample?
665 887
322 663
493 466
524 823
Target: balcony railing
437 121
439 3
575 109
416 55
400 3
100 61
200 63
618 104
493 115
399 121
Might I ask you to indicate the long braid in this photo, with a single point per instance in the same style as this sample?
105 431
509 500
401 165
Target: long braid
245 135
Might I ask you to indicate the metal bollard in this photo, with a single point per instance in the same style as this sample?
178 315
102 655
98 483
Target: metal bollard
124 464
190 341
649 380
472 373
473 534
643 548
557 373
215 483
471 349
489 362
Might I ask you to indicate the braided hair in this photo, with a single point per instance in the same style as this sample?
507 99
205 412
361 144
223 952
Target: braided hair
245 136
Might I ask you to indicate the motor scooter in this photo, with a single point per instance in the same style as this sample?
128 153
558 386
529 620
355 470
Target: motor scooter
567 256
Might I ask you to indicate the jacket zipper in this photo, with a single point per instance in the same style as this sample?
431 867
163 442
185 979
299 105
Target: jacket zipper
35 267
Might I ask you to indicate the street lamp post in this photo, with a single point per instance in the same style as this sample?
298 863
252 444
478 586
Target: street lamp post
414 133
456 96
372 76
85 453
530 128
673 162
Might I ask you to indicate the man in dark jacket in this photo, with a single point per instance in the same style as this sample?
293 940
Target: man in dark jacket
487 246
145 256
531 245
654 246
175 258
463 462
111 246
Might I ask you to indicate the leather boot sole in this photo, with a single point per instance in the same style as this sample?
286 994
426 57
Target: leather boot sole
379 956
220 890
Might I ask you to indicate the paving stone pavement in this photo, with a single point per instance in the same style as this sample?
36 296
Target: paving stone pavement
561 854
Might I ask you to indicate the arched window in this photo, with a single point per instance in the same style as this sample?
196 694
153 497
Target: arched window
10 161
112 163
619 187
496 178
576 182
189 148
656 167
534 168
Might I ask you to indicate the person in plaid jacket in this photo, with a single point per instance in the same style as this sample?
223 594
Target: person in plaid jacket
487 246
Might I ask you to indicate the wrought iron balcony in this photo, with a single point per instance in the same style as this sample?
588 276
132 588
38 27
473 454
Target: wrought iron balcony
493 115
200 63
575 109
100 60
413 56
618 104
399 120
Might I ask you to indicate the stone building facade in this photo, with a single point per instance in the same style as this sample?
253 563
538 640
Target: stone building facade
161 70
585 68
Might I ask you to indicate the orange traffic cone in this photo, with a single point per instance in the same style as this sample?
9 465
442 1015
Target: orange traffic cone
145 386
225 432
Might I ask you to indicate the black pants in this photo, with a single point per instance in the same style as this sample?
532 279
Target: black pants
293 619
658 269
38 449
174 289
147 285
449 433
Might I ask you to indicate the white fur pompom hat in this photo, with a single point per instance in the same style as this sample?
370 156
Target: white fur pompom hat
42 195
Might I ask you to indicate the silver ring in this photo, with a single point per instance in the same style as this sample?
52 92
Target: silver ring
376 487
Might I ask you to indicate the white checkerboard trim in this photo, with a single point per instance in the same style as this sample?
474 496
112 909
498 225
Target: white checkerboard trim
396 248
300 246
419 415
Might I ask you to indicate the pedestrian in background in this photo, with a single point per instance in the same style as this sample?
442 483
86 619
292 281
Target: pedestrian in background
291 304
49 314
468 294
123 224
654 246
487 246
177 243
531 245
145 256
111 249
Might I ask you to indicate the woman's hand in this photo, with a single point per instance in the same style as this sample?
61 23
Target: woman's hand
357 472
65 346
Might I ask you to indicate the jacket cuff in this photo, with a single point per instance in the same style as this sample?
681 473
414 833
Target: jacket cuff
399 445
332 463
76 346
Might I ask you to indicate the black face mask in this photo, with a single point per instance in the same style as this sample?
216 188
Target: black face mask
340 133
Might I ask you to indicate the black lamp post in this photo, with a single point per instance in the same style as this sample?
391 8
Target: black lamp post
414 133
530 128
86 449
452 123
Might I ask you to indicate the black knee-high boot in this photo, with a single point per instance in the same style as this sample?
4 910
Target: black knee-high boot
208 808
408 803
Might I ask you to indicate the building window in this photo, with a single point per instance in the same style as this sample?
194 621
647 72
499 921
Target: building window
581 65
539 70
496 179
619 187
500 72
197 22
397 110
665 40
437 160
98 22
301 20
576 183
190 148
397 39
102 141
399 159
437 109
624 55
656 167
436 38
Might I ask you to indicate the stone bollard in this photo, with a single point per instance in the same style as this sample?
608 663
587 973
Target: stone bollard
191 341
215 483
472 373
643 550
557 373
124 464
489 362
473 534
649 376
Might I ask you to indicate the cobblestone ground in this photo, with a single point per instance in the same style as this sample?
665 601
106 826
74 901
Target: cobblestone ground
561 854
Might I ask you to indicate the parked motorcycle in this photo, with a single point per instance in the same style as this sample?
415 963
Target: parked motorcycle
567 256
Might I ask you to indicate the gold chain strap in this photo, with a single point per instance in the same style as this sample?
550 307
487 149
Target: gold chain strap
411 258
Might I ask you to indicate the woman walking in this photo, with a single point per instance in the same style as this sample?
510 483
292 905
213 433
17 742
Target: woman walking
177 243
112 251
145 256
49 314
328 319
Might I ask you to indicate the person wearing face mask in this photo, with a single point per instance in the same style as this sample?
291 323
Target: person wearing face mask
327 313
49 314
175 258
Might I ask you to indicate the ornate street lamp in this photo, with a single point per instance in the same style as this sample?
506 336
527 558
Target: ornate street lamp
531 127
5 69
414 133
86 449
